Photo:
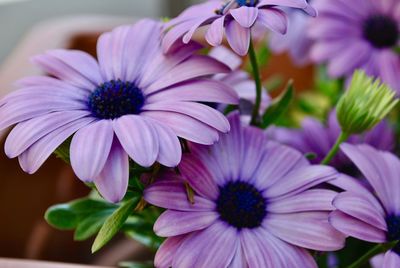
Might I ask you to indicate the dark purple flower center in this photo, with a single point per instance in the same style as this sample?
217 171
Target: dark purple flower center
235 4
393 224
241 205
114 99
381 31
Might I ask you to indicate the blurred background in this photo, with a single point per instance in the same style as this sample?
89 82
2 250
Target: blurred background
29 27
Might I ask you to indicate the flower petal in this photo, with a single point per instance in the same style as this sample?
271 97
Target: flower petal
356 228
273 19
90 148
173 223
172 195
138 137
166 252
112 182
34 157
215 32
211 247
238 37
391 260
245 16
309 230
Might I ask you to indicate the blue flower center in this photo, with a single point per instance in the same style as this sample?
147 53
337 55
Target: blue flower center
241 205
114 99
381 31
249 3
393 224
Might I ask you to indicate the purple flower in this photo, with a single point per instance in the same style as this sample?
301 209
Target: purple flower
240 81
315 137
234 17
253 206
296 41
371 212
134 101
358 34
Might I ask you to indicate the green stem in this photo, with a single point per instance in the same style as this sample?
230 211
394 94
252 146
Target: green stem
378 249
257 79
342 138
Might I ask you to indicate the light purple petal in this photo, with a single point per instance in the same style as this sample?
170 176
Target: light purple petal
197 90
166 252
302 4
239 260
380 169
90 148
215 32
391 260
245 16
311 200
227 56
308 230
238 37
257 254
170 152
198 176
139 138
278 161
112 182
68 70
194 67
273 19
28 132
356 228
174 35
211 247
201 112
173 223
172 195
200 20
300 180
34 157
357 206
186 127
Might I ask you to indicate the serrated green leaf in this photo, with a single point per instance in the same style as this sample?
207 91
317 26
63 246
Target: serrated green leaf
114 223
278 107
61 217
89 226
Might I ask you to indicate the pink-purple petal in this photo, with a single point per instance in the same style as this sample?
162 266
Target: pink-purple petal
166 252
245 16
215 32
274 19
238 37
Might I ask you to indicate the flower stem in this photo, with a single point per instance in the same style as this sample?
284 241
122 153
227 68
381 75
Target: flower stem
378 249
342 138
257 79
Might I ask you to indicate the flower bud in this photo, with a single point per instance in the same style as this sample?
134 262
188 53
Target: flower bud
365 104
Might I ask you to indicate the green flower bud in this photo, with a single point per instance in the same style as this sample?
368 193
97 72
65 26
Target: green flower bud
365 104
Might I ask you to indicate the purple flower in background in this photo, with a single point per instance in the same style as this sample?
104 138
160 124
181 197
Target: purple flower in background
371 213
358 34
134 101
253 206
315 137
296 41
240 81
233 17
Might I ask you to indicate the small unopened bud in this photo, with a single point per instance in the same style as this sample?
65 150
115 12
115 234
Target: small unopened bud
365 104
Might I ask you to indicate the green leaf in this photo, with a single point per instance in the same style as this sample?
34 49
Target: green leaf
114 223
278 107
136 264
62 217
91 225
62 151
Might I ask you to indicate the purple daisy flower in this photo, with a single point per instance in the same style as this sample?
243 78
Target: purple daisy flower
296 41
371 213
315 137
358 34
253 206
240 81
134 101
234 17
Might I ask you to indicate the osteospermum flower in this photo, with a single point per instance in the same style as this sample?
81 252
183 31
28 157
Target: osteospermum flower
318 138
371 212
133 102
234 17
252 206
240 81
358 34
